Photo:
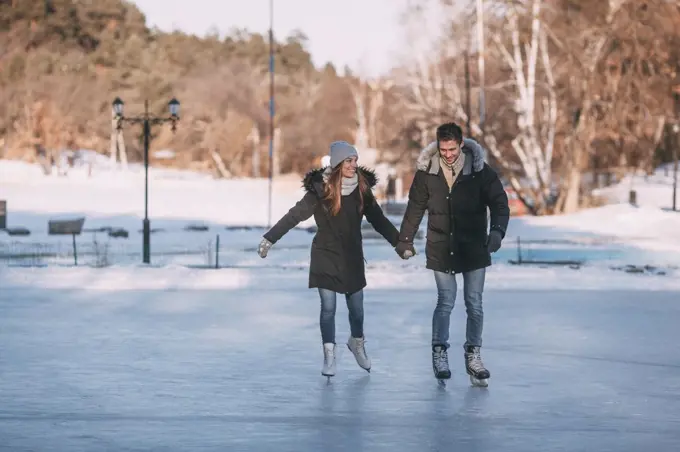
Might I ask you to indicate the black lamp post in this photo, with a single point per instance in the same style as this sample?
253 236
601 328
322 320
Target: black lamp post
146 119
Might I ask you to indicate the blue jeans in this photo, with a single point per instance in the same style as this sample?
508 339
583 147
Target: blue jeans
355 306
473 287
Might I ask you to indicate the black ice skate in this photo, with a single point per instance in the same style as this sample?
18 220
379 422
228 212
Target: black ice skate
440 363
479 375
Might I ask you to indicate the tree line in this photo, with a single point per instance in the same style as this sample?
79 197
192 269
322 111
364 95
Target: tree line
559 91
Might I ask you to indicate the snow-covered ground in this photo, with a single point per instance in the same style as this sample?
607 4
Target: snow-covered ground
655 190
174 357
118 196
613 234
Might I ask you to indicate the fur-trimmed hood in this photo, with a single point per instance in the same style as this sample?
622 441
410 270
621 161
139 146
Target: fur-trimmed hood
314 179
428 159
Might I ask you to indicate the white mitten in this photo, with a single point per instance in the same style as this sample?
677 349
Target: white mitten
263 248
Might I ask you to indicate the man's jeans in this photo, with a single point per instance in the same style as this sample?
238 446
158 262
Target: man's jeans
355 306
473 287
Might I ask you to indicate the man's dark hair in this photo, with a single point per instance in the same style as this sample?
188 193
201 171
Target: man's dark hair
449 131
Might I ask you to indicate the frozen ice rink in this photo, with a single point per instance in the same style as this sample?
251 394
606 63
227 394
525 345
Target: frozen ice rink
189 369
127 358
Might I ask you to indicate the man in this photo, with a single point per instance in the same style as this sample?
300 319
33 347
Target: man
455 186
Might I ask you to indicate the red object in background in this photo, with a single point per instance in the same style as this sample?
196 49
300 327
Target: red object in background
517 207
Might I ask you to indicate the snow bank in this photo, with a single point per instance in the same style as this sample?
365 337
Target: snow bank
112 197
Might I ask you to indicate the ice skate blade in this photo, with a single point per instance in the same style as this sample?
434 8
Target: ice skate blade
367 370
482 383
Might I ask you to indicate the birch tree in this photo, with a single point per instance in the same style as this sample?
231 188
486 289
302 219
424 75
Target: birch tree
361 132
433 88
369 99
535 101
378 88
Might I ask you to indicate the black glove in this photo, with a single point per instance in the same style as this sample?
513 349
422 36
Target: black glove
493 243
405 250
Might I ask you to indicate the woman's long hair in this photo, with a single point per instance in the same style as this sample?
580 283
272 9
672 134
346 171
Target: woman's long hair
333 190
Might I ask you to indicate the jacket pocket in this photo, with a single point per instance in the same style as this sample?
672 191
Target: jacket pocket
436 236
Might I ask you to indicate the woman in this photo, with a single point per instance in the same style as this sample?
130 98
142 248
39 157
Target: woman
338 196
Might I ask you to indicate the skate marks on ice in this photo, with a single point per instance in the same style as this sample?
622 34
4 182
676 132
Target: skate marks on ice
239 370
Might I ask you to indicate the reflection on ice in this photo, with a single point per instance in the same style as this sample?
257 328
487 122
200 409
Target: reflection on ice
576 371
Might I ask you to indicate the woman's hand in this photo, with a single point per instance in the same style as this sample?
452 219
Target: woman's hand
263 248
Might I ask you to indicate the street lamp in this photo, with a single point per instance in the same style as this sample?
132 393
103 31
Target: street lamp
147 120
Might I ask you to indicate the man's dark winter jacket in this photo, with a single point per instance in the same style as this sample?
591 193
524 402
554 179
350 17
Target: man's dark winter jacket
337 256
457 219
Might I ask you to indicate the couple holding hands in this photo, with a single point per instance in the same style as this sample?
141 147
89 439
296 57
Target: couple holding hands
456 187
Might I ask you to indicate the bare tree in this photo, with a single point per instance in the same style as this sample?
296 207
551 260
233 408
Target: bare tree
369 99
533 89
593 41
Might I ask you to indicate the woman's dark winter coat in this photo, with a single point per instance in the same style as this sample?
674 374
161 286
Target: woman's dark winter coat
337 256
457 220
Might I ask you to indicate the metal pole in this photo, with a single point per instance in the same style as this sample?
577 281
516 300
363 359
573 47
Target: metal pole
217 251
271 109
480 62
675 128
146 251
675 167
468 101
75 251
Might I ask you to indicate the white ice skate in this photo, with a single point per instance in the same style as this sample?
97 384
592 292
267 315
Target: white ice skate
328 360
479 375
357 346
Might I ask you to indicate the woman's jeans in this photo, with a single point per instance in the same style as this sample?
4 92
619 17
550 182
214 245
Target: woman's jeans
355 306
473 287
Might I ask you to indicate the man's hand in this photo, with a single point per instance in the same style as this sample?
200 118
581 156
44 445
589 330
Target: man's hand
405 250
263 248
493 243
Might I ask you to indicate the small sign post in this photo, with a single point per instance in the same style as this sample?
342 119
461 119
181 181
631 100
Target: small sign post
71 227
3 214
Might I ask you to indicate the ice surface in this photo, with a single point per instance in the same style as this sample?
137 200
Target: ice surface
131 358
238 368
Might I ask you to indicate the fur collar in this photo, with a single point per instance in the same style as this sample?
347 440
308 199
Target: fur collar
316 178
428 160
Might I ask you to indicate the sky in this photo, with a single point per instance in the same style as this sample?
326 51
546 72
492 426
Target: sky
365 35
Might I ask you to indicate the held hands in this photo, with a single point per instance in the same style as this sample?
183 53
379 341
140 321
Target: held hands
405 250
263 248
493 243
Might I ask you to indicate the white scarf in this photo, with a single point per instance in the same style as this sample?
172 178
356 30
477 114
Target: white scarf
348 183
